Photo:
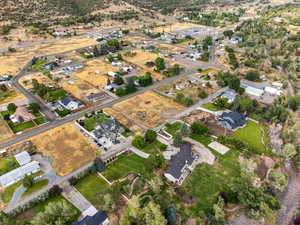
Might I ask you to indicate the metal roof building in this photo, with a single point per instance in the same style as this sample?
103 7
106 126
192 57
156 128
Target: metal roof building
19 173
23 158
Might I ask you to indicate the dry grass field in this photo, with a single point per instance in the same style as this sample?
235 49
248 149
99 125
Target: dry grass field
148 109
134 39
5 132
123 119
141 58
175 26
78 88
95 72
14 95
67 148
26 81
12 63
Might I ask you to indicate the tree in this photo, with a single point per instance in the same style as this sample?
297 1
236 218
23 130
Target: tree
171 215
138 142
118 80
34 107
6 220
55 191
219 212
150 136
11 107
56 213
202 94
221 103
253 75
279 180
99 165
160 64
151 215
228 33
288 151
184 130
28 181
109 203
145 80
199 129
177 142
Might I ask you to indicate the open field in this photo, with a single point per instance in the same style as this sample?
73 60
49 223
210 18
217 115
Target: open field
26 81
134 39
10 95
95 72
175 26
5 131
149 109
141 58
78 88
67 148
124 120
255 134
12 63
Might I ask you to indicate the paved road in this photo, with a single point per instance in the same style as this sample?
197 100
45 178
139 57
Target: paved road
77 115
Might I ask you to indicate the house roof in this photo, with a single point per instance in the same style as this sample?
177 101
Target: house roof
107 127
23 112
19 173
178 161
23 158
97 219
96 96
230 95
235 119
65 101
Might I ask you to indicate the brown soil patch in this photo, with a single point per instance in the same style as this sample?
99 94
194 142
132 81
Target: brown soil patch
67 148
5 132
148 109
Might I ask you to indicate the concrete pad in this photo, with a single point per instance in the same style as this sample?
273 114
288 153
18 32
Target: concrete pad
222 149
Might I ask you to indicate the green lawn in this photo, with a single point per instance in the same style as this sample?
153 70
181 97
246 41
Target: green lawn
123 165
40 120
207 181
37 186
211 106
23 126
39 65
8 164
27 215
91 187
63 113
173 128
55 95
254 134
90 123
9 191
153 148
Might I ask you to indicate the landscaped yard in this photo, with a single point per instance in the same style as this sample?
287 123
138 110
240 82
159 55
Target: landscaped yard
23 126
39 65
8 192
173 128
124 165
211 106
90 123
255 134
91 187
8 164
154 147
37 186
207 181
55 95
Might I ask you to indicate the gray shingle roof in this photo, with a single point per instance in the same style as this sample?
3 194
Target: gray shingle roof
235 119
97 219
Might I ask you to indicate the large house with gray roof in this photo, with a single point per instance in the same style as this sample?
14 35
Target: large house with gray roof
232 120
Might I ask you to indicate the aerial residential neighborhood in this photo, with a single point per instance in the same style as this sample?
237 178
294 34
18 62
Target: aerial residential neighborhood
150 112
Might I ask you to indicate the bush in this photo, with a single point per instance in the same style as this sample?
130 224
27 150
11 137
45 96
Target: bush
202 94
139 142
99 165
253 75
28 181
199 129
150 136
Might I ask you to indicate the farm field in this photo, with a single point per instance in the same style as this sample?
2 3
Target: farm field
12 63
89 72
148 109
67 147
5 131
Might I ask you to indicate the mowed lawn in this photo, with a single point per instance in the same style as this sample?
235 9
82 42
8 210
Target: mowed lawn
255 134
124 165
92 187
207 181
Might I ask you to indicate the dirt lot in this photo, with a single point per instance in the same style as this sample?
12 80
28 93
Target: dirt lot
67 148
175 26
14 96
12 63
26 81
141 58
207 119
95 72
148 109
78 88
124 120
5 132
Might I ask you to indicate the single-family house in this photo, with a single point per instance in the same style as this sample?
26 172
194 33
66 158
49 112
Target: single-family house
112 74
256 92
230 95
181 164
232 120
23 158
100 218
69 104
21 115
273 91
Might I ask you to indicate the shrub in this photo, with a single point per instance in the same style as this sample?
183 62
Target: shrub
138 142
199 129
150 136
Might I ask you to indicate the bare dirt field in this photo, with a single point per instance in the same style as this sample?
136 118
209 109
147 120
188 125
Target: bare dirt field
5 132
134 39
78 88
148 109
124 120
175 26
67 148
26 81
95 72
12 63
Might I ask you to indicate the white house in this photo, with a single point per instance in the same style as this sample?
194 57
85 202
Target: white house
254 91
273 91
69 104
23 158
111 74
